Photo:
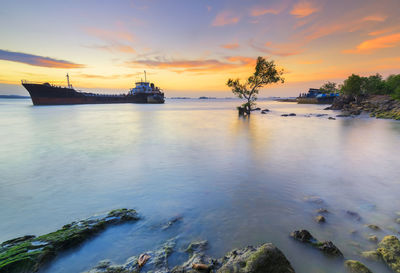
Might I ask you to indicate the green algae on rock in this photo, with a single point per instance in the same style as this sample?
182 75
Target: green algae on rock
371 255
29 253
389 250
265 258
356 267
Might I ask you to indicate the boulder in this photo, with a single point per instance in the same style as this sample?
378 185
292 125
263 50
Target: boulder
331 118
265 258
356 267
320 219
292 114
389 250
326 247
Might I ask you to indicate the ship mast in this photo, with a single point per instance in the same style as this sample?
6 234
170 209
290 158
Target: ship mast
69 86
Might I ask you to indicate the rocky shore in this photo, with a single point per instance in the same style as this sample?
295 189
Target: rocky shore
380 106
29 253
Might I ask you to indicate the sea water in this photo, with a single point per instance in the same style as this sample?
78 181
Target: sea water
233 181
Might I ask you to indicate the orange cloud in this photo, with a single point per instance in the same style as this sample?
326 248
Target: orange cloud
199 66
111 77
115 48
381 31
124 49
368 46
374 18
225 18
258 12
303 9
230 46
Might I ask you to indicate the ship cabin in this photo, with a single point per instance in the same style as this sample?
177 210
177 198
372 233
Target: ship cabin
144 87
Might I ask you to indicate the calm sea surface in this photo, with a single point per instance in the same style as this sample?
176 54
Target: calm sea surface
235 181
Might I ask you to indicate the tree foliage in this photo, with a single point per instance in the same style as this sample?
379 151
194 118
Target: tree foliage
265 73
352 86
357 86
328 87
393 83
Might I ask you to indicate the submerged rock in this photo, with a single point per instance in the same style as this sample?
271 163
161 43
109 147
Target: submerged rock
327 247
331 118
320 219
292 115
29 253
353 215
374 227
356 267
313 199
284 115
172 222
389 250
322 210
373 238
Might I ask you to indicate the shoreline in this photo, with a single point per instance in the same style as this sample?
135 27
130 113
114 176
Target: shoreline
379 106
31 254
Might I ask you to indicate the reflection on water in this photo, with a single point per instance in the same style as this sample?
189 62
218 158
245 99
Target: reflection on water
235 181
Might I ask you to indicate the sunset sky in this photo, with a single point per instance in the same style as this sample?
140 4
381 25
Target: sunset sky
191 47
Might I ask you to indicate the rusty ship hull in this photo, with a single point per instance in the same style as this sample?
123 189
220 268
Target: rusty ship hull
46 94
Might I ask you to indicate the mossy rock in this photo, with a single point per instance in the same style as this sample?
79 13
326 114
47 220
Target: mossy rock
371 255
356 267
389 250
265 258
29 253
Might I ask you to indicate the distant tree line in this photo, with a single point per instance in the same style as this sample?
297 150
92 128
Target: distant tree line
357 86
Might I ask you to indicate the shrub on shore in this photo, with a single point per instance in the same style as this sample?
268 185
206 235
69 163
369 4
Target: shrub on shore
357 86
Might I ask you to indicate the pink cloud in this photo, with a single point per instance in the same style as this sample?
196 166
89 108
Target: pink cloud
303 9
260 11
225 18
230 46
374 18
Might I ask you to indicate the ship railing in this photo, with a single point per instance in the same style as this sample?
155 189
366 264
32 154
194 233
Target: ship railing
31 82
